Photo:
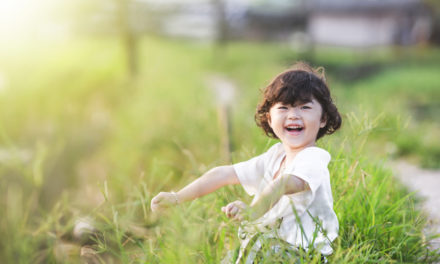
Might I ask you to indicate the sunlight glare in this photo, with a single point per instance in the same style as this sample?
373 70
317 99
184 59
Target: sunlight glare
20 18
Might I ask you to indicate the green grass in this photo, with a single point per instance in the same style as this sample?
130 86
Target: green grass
80 139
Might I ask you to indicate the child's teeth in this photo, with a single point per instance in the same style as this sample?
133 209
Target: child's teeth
297 128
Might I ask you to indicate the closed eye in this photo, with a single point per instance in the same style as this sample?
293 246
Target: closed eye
282 107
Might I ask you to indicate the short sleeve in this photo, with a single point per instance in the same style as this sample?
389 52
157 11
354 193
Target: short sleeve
250 173
311 166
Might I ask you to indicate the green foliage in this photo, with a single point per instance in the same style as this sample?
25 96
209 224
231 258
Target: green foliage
79 140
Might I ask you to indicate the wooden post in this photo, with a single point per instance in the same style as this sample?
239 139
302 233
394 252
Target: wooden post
222 23
225 139
224 91
128 36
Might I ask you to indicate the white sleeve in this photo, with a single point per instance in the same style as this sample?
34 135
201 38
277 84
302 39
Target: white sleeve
311 166
251 172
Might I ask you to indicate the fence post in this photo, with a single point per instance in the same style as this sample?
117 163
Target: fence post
224 92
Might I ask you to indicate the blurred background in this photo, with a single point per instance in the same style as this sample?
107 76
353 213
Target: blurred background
106 102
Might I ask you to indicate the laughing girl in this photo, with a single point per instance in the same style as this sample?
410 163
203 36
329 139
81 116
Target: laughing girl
292 209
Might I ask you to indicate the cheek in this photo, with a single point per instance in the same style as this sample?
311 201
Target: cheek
275 123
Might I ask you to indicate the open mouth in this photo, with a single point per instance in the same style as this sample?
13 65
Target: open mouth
294 128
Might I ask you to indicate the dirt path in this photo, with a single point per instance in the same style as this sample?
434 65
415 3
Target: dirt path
427 185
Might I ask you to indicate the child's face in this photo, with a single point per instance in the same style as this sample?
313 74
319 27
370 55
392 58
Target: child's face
296 126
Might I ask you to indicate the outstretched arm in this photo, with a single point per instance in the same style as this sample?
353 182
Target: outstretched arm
207 183
286 184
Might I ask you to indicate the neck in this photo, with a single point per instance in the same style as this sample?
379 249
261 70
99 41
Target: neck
291 153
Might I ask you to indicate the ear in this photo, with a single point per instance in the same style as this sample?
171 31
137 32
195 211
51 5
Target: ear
269 121
323 122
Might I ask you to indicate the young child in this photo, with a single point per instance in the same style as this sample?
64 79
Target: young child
290 182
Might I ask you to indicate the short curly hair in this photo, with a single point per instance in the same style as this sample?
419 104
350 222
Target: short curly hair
299 84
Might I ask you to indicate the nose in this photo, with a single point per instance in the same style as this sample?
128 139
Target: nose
294 113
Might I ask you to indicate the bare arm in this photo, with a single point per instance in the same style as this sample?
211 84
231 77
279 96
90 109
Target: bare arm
207 183
287 184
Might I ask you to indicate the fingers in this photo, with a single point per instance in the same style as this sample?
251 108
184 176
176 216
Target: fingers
226 209
163 200
232 210
229 210
156 202
156 199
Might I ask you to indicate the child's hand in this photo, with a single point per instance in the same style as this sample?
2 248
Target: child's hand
163 200
235 210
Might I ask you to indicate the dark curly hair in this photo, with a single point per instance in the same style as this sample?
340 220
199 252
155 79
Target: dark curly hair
299 84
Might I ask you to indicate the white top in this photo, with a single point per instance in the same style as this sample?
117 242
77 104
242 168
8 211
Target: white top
314 207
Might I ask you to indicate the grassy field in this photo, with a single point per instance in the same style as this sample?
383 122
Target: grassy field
82 142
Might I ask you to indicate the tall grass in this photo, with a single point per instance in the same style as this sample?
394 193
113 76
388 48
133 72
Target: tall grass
81 142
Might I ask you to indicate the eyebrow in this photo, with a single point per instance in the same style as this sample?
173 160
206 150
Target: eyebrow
303 103
298 102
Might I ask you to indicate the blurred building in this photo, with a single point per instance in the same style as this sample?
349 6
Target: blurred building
196 19
350 23
329 22
369 23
